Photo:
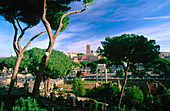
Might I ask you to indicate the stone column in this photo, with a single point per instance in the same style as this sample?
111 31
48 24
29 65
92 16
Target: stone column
105 75
101 76
96 75
52 94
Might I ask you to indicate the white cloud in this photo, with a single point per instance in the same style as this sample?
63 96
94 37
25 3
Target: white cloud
79 27
164 4
160 17
43 44
36 29
157 32
160 33
6 47
79 45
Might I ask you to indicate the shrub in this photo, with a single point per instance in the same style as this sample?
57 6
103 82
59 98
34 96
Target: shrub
120 73
110 70
79 73
104 94
28 104
2 107
134 96
140 72
156 71
75 87
78 87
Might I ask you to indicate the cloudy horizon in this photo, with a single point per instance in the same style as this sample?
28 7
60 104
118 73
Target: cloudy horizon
104 18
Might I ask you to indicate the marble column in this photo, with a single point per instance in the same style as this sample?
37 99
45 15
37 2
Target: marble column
96 75
101 76
105 75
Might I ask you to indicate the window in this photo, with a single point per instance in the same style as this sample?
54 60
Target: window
155 85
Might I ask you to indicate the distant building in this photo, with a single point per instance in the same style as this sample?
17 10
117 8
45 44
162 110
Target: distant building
71 55
13 54
165 55
155 87
88 57
88 50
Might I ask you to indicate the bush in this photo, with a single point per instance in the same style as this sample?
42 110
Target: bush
157 103
119 73
104 94
78 87
28 104
134 96
110 70
79 73
156 71
140 73
2 107
149 99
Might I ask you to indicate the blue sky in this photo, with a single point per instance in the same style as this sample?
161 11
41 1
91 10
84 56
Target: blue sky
150 18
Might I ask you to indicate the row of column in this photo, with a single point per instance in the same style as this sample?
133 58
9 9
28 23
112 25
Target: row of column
101 75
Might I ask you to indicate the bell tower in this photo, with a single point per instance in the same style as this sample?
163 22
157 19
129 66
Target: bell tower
88 50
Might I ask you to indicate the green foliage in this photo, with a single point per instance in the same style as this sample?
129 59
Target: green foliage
103 61
93 106
149 100
80 54
75 87
160 65
166 91
32 59
165 99
75 64
98 50
93 66
29 104
130 47
26 11
134 96
78 87
56 16
88 1
110 70
8 62
84 63
79 73
119 73
30 11
139 72
2 107
107 94
58 64
157 103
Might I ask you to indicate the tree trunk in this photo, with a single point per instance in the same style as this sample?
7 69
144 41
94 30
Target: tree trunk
6 76
16 80
48 83
52 38
123 86
13 79
39 74
45 85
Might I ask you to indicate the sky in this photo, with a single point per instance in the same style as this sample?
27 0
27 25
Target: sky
150 18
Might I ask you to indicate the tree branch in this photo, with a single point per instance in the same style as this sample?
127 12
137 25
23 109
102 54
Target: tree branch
46 23
32 40
15 38
66 14
20 37
19 24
